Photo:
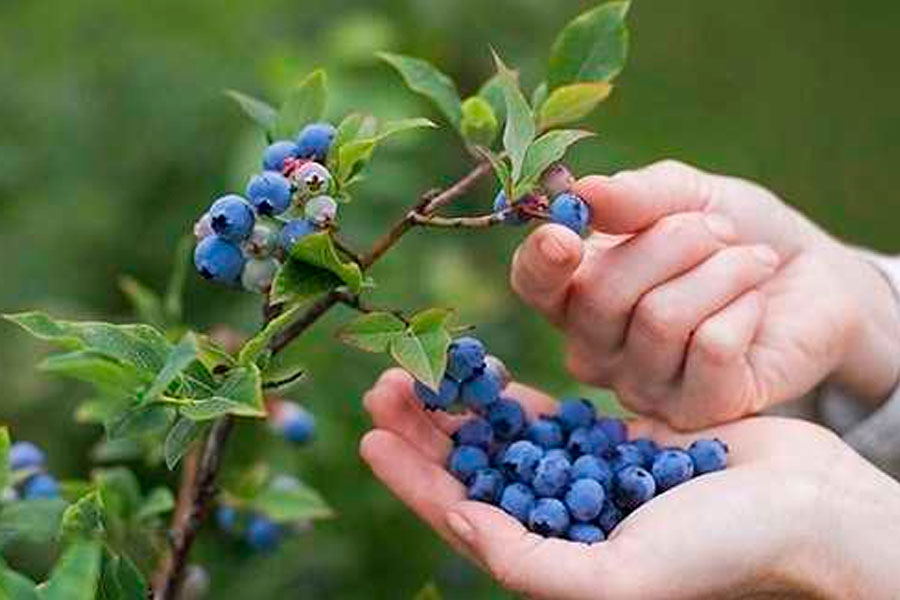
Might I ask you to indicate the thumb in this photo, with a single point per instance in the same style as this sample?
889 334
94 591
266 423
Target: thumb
632 201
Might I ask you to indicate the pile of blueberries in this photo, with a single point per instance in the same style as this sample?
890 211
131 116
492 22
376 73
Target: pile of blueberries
28 469
575 474
242 240
555 199
258 531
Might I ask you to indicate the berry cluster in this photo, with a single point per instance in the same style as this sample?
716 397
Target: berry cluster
291 421
243 239
29 477
258 531
557 201
573 474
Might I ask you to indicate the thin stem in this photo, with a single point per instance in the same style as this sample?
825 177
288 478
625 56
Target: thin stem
356 303
479 222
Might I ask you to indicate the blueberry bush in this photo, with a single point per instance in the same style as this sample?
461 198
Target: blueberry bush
173 396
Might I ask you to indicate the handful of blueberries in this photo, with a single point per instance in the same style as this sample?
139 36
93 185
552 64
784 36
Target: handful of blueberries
574 474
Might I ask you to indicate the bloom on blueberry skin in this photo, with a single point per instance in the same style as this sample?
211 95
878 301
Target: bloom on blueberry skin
294 231
474 432
549 518
507 418
465 461
321 210
486 486
311 179
570 211
584 499
269 192
482 390
517 500
465 357
633 487
551 476
520 460
575 412
277 153
314 141
232 218
671 467
708 455
294 422
546 433
258 274
25 455
447 394
217 259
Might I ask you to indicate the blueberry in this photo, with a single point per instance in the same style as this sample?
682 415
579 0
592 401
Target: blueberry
294 231
610 516
475 432
557 180
498 449
584 499
521 459
262 242
585 533
507 418
559 453
549 518
219 260
232 218
466 460
447 394
25 455
708 455
570 211
574 413
481 391
40 486
593 467
546 433
258 274
649 449
587 440
263 535
296 423
465 358
321 210
499 367
517 499
633 486
226 518
269 193
513 217
672 467
551 476
315 140
486 486
203 227
275 155
311 179
624 455
615 429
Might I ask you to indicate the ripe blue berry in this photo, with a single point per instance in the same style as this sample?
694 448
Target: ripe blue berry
486 486
506 418
297 424
321 210
551 476
311 179
593 467
520 460
219 260
258 274
315 140
465 358
588 440
615 429
559 453
549 518
649 449
25 455
475 432
610 516
633 487
708 455
585 533
294 231
546 433
232 218
570 211
624 455
466 460
574 413
557 180
263 535
447 394
40 486
269 193
584 499
517 499
481 391
513 217
672 467
275 155
226 518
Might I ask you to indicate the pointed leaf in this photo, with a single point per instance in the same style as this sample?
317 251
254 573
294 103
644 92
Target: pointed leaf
179 439
539 96
372 332
76 574
520 128
593 47
243 386
256 345
84 518
119 490
571 103
501 170
548 149
423 78
259 112
305 104
146 303
120 579
354 154
317 250
301 503
296 282
422 350
181 356
209 409
15 586
138 421
479 124
492 91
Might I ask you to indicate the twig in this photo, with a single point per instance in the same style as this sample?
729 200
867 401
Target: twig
355 302
480 222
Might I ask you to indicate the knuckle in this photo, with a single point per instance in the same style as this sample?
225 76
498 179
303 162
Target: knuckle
584 370
602 300
716 345
659 319
682 229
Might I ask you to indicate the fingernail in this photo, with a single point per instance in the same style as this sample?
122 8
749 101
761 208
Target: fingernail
553 251
461 527
766 255
720 226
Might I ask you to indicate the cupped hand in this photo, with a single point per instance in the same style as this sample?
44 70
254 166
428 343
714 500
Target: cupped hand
789 517
703 298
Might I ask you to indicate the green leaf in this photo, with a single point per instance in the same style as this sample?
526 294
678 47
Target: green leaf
174 298
545 151
492 92
479 124
571 103
354 154
181 356
211 355
373 332
520 128
249 482
300 503
209 408
179 439
423 78
85 518
429 592
296 281
120 579
119 490
282 376
110 376
593 47
422 350
243 387
305 104
259 112
76 574
146 303
539 96
34 520
159 501
501 170
256 345
138 421
4 457
15 586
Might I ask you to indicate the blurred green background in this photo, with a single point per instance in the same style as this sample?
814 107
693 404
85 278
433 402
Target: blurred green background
114 136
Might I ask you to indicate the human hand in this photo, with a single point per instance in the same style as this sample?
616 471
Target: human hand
706 298
796 514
